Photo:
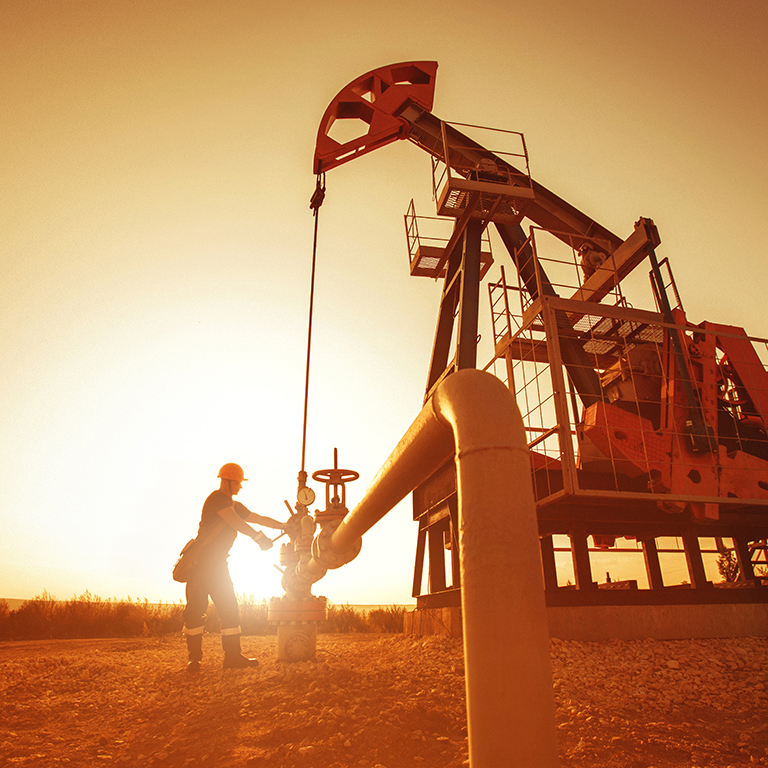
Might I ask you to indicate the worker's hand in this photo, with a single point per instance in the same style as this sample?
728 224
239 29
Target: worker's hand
263 540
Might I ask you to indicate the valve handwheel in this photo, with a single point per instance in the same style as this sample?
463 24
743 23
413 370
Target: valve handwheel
335 476
335 499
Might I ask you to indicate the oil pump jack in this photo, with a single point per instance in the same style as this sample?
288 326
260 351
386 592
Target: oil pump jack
641 424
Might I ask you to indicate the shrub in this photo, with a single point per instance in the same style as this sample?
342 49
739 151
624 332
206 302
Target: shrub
165 619
88 615
33 619
344 618
387 619
728 566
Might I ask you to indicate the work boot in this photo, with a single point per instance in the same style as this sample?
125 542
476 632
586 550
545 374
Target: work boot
233 657
194 653
193 667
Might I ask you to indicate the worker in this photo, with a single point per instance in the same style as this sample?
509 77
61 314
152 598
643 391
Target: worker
210 576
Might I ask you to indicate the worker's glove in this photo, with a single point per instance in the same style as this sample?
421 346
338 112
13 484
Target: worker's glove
262 540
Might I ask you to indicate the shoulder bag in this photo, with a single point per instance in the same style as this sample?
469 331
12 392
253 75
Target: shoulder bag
190 555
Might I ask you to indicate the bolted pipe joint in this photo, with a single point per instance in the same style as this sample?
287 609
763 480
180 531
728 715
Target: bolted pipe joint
288 555
326 555
297 581
310 572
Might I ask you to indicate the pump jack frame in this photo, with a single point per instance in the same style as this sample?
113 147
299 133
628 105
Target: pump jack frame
641 436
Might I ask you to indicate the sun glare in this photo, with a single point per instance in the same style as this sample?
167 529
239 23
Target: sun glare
253 571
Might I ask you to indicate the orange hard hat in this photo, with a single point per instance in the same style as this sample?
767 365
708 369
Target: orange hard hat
232 472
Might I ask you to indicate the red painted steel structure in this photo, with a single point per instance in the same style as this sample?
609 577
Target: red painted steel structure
641 424
375 99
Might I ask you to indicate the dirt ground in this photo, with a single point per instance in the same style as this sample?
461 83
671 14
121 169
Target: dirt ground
374 701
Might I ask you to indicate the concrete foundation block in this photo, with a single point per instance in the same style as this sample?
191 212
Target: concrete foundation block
297 641
658 622
625 622
433 621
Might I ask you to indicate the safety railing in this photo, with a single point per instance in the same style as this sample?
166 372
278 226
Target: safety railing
494 168
427 238
629 436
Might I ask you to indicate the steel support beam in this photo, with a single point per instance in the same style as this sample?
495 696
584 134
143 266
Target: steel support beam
582 568
578 364
549 566
652 564
694 560
469 298
461 292
744 558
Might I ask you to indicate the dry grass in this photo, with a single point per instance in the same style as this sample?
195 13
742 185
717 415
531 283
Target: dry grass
87 615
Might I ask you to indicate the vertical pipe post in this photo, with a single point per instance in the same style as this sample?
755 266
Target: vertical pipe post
510 701
510 704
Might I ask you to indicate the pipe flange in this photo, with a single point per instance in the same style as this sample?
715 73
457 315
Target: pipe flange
324 553
317 572
296 583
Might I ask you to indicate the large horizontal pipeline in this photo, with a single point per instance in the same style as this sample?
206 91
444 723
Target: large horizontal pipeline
510 702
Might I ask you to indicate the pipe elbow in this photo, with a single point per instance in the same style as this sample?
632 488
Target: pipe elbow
455 404
327 555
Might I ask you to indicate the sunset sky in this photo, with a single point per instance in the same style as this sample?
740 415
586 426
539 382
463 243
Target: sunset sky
155 241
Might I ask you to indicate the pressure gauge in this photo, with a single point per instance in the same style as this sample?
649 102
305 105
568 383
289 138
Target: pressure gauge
305 496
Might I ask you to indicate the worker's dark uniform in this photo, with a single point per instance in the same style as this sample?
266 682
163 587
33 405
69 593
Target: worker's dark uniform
211 578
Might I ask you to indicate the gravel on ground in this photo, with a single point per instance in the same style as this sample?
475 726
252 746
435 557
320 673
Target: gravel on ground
373 701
